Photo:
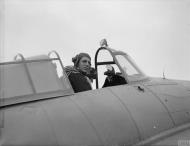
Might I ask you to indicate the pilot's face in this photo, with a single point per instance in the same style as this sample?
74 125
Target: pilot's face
84 64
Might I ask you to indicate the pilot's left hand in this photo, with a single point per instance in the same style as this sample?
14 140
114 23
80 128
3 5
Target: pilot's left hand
110 71
92 73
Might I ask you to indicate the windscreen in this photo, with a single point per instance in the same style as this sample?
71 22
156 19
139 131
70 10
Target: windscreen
130 68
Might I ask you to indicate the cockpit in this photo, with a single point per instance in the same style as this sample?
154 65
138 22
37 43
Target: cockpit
42 77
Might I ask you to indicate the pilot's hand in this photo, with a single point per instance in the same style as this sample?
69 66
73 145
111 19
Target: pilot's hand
110 71
92 73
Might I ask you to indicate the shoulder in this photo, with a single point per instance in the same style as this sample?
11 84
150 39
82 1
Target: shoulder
70 70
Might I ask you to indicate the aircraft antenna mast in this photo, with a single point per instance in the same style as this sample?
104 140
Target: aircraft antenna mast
164 74
103 43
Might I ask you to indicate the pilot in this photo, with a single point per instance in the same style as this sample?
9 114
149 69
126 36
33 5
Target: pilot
81 74
112 78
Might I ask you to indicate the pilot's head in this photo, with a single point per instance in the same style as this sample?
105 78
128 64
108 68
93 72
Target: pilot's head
82 62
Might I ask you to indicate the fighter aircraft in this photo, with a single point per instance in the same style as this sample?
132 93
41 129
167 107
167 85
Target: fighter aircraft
39 107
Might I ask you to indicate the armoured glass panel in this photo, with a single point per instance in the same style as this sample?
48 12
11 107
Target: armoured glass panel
130 69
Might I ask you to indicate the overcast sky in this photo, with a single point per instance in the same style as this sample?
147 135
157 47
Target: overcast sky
155 33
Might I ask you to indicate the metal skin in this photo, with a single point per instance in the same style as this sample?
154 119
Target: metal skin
153 111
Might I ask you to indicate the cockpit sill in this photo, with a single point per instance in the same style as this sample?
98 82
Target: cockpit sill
17 100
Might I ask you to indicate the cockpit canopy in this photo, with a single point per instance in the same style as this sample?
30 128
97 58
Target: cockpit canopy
32 79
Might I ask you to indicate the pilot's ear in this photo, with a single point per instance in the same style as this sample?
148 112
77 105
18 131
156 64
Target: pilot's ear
75 60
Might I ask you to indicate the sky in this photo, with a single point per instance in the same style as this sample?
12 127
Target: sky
155 33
